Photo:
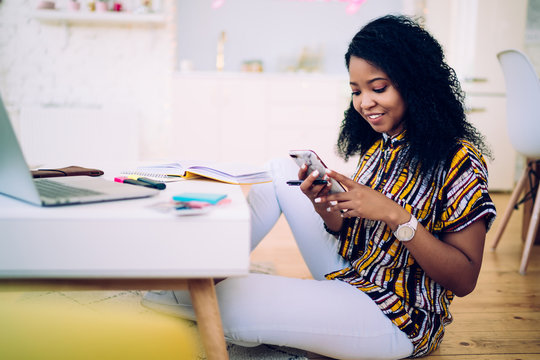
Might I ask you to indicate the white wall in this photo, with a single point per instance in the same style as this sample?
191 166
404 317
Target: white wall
52 73
274 31
88 67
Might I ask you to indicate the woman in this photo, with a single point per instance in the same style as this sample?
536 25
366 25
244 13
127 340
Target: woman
387 255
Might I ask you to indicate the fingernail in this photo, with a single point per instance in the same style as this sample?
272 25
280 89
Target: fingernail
328 209
315 173
303 166
328 171
317 200
333 202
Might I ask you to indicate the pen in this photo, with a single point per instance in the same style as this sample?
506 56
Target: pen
299 182
156 184
126 180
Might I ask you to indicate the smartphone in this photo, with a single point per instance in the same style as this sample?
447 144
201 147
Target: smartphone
314 162
299 182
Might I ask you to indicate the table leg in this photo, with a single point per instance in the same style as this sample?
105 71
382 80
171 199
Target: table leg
203 297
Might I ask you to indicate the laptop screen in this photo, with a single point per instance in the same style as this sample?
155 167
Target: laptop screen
15 177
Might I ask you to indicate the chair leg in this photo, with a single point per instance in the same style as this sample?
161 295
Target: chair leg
510 207
531 234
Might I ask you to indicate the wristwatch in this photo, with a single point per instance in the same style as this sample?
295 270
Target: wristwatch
405 232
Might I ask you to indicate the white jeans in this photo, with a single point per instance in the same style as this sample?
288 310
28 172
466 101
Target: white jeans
327 317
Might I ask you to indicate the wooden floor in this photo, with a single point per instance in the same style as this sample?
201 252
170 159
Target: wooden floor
500 320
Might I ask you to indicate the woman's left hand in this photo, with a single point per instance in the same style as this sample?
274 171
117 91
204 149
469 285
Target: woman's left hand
362 201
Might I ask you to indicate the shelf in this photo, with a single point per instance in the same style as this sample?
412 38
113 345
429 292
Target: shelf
261 75
86 17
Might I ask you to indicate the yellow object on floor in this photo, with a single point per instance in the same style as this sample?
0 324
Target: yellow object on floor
50 331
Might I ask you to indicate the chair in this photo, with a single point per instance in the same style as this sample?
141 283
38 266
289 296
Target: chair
523 124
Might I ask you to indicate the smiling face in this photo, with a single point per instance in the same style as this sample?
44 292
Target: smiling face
375 97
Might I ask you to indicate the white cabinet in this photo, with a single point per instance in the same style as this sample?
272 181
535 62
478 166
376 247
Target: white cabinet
255 117
485 113
495 25
472 32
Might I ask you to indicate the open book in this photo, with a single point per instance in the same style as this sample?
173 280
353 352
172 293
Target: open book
231 173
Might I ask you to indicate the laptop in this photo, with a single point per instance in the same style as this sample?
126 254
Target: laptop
16 179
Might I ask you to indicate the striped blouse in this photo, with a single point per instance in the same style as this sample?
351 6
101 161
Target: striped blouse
447 199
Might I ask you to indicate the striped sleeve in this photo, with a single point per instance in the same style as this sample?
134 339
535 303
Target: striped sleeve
465 195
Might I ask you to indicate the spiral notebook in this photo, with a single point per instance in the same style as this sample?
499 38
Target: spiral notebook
231 173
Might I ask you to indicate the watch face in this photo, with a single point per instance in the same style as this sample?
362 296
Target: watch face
405 233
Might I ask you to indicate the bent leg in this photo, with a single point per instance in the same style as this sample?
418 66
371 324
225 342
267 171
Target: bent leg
268 201
327 317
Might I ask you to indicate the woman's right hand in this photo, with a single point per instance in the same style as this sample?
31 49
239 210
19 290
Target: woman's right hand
313 192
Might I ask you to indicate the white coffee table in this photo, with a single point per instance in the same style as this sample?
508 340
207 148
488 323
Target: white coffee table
130 245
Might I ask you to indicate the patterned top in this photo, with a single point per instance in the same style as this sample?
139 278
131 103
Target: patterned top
447 199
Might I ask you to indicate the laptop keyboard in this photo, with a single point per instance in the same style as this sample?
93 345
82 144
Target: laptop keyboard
53 189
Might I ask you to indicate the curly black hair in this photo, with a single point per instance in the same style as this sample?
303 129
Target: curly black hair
414 61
